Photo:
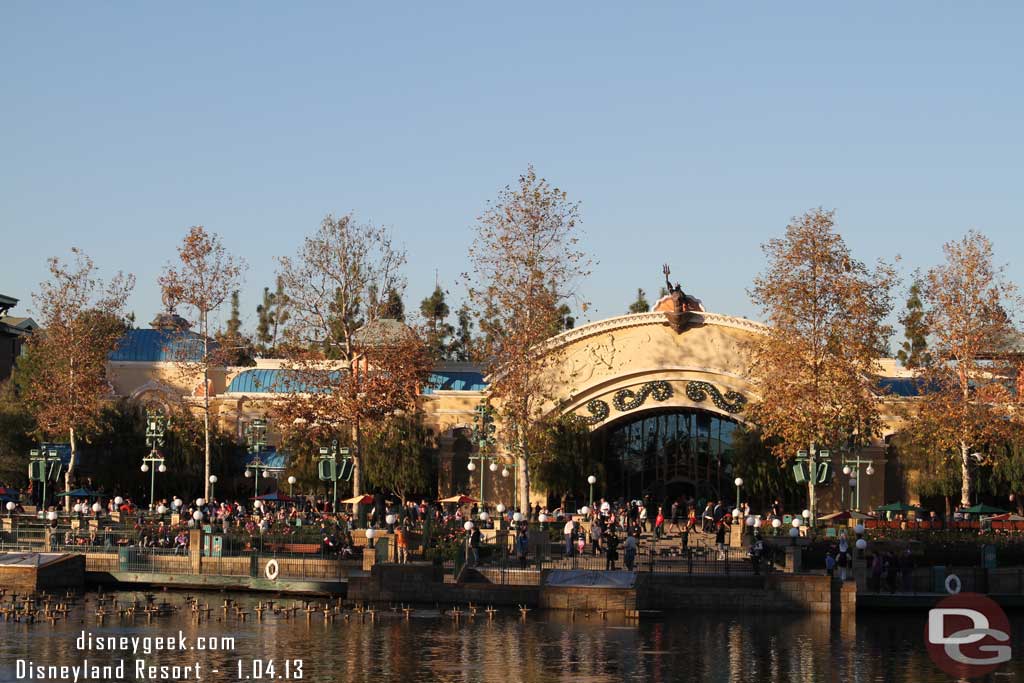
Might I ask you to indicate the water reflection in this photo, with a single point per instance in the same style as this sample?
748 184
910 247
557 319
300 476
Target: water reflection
546 647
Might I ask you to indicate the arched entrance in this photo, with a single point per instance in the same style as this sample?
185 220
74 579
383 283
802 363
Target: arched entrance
666 454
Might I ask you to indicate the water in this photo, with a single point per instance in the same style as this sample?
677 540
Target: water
546 647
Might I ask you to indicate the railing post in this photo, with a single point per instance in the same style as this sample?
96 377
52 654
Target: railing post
195 550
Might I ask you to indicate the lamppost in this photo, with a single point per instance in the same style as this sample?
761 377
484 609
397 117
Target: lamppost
505 473
156 428
213 483
856 462
291 483
591 480
41 460
739 484
483 433
256 437
330 471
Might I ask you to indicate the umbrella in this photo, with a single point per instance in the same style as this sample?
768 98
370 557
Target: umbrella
843 516
359 500
1007 517
982 509
276 496
459 499
9 492
80 493
898 507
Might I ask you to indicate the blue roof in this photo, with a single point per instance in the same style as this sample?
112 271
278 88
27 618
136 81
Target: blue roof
159 345
900 386
271 457
454 381
268 381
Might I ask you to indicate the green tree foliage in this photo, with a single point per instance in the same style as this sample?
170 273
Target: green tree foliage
463 344
1008 471
393 307
434 310
934 472
640 305
566 320
237 348
571 461
16 427
913 352
763 479
271 315
398 457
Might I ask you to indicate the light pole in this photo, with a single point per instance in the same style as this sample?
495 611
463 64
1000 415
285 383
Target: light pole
42 458
329 469
505 473
291 483
156 428
213 483
856 462
739 485
483 433
591 480
256 436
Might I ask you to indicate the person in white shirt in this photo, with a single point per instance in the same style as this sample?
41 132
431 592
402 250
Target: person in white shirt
568 531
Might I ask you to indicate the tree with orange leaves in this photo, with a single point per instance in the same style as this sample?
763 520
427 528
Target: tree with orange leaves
204 279
81 320
814 367
967 389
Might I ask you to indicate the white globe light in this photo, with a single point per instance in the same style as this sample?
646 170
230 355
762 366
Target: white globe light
584 510
248 474
390 519
517 517
10 506
591 480
505 472
738 481
197 515
370 533
542 518
213 478
493 467
736 512
162 468
776 523
118 500
500 508
794 532
870 470
292 480
200 502
797 522
266 474
806 514
484 516
757 523
750 521
176 502
161 509
859 529
847 470
96 507
468 525
861 544
471 467
257 504
145 467
51 515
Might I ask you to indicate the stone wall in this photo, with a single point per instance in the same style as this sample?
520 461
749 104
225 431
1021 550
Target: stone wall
66 572
772 593
424 584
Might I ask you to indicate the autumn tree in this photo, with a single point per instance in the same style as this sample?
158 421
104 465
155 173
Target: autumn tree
966 396
814 366
202 281
525 263
346 365
81 320
913 352
640 305
434 310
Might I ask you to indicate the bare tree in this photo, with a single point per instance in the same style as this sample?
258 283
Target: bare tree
526 262
82 319
814 368
202 281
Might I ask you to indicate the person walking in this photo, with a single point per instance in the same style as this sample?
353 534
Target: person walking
720 538
568 531
402 543
674 524
629 551
659 524
612 555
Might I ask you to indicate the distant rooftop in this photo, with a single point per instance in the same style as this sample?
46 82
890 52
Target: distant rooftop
156 346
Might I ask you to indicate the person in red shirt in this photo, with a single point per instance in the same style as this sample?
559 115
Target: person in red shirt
659 524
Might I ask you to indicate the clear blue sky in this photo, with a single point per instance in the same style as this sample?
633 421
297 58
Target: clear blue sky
690 132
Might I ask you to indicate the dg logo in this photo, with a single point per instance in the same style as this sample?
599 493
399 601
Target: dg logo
968 635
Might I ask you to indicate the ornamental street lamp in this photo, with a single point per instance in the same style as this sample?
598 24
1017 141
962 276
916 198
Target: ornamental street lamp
256 437
739 485
591 480
291 483
213 482
156 428
852 466
483 435
42 460
330 470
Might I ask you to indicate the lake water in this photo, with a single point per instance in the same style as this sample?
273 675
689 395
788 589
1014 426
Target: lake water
433 647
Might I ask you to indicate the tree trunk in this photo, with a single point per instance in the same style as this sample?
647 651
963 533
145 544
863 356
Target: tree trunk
357 469
524 481
812 502
965 476
206 411
68 476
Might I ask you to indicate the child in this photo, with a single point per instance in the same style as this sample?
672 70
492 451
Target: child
830 564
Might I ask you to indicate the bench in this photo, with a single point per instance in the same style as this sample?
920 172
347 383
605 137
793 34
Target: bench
294 548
